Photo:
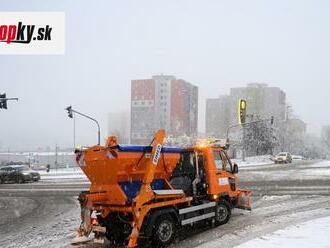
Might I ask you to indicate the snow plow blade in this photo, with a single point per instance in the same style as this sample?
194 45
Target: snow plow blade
244 199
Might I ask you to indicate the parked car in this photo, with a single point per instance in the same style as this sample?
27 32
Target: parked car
18 174
283 157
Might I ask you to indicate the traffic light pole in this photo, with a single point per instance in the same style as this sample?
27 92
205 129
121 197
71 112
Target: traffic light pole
71 110
244 146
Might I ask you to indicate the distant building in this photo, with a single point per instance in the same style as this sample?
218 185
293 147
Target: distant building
217 116
118 125
162 102
292 135
184 108
325 134
325 131
296 125
143 97
262 102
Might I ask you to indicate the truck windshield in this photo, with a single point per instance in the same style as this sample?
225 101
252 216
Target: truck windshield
218 160
227 162
222 161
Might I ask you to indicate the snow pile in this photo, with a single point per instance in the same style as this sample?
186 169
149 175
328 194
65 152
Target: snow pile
66 173
253 161
314 233
276 197
37 153
321 164
318 170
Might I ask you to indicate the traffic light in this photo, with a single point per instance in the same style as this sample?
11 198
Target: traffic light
69 109
241 111
3 101
272 120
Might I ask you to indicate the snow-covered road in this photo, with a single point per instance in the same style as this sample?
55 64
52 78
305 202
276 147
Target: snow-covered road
314 234
45 214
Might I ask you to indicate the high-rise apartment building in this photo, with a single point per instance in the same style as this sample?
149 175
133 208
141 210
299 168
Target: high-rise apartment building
262 102
217 117
162 102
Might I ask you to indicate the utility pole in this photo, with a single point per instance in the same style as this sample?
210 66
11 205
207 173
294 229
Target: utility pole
286 124
56 162
244 138
74 131
70 114
244 145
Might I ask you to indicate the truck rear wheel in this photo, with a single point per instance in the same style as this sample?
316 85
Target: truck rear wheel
163 231
222 213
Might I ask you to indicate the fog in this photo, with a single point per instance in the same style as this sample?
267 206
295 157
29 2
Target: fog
213 44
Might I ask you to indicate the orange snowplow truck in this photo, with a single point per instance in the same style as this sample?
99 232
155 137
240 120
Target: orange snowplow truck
146 193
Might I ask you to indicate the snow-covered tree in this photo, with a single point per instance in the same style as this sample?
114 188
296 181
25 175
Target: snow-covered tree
179 141
259 138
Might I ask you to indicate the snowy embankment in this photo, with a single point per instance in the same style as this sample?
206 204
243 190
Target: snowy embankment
298 170
314 233
254 161
76 172
67 173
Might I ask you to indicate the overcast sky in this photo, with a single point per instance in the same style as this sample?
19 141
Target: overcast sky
213 44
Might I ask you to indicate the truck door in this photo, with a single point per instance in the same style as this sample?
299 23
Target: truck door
228 167
224 177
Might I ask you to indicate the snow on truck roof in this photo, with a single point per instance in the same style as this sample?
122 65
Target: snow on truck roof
137 148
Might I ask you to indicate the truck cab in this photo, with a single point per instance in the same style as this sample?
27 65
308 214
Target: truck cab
207 173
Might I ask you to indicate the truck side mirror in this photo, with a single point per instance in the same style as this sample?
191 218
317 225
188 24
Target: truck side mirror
235 168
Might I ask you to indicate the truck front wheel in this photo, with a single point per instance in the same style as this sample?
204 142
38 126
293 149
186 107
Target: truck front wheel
163 231
222 213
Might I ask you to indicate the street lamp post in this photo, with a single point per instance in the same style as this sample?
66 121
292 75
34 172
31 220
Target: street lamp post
70 114
4 99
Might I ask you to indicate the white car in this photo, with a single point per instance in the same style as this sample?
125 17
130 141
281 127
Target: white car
283 157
